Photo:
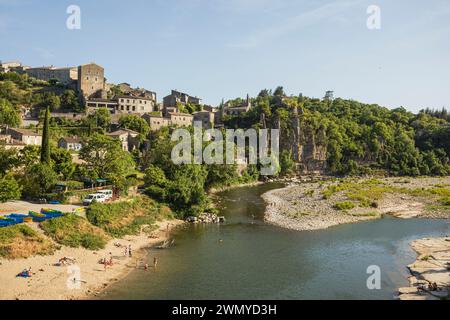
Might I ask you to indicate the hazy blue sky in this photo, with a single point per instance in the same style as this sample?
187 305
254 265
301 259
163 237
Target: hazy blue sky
226 48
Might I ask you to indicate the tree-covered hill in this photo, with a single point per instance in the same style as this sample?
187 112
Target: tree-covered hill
359 138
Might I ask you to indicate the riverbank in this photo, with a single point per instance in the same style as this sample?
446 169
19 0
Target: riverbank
320 205
431 267
54 282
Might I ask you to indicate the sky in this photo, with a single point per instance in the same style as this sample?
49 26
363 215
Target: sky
218 49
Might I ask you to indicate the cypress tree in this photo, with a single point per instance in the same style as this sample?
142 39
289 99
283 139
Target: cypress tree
45 147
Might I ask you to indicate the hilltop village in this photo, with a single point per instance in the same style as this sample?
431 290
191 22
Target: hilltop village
86 166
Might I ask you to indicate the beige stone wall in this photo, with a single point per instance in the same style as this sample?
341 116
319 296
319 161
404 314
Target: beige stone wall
181 120
91 80
64 75
156 123
135 105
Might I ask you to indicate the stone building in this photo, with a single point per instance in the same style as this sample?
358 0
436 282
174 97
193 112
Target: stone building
70 143
126 89
206 118
66 76
128 138
181 119
238 109
7 142
7 66
135 105
156 122
91 81
171 102
94 104
26 136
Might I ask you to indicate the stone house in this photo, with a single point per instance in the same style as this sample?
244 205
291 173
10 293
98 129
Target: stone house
181 119
70 143
26 136
206 118
156 122
135 105
128 138
172 101
238 109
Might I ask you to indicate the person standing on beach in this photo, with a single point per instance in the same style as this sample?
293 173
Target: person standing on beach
129 250
155 262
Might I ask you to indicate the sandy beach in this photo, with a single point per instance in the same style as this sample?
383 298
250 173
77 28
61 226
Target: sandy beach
52 282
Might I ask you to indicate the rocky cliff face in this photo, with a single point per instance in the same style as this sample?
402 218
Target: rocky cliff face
311 157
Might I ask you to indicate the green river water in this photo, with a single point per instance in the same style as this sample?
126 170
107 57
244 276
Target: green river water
248 259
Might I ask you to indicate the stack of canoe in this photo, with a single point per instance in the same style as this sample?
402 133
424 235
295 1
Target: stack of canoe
16 218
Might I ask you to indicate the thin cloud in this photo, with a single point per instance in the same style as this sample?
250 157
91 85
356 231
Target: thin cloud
301 21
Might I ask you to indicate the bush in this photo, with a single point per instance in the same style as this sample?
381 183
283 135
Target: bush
75 231
345 205
126 218
156 193
9 189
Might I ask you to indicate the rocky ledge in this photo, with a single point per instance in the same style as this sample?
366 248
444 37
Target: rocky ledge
430 273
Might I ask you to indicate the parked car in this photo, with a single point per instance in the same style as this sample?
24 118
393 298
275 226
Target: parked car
94 197
108 193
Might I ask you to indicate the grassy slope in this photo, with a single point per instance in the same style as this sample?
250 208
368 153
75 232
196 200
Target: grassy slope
20 241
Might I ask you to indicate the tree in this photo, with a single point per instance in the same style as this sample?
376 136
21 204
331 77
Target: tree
69 100
38 180
279 92
106 159
8 114
62 162
155 176
134 122
9 189
101 118
287 165
45 148
9 159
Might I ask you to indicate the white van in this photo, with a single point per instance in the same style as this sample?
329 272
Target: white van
108 193
94 197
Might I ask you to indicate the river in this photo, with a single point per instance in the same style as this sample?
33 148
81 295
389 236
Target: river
248 259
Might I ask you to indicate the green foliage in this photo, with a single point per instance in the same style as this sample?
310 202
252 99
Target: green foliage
70 101
128 217
287 165
9 189
135 123
62 162
38 179
9 116
344 205
101 118
9 159
20 241
45 149
74 231
105 159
